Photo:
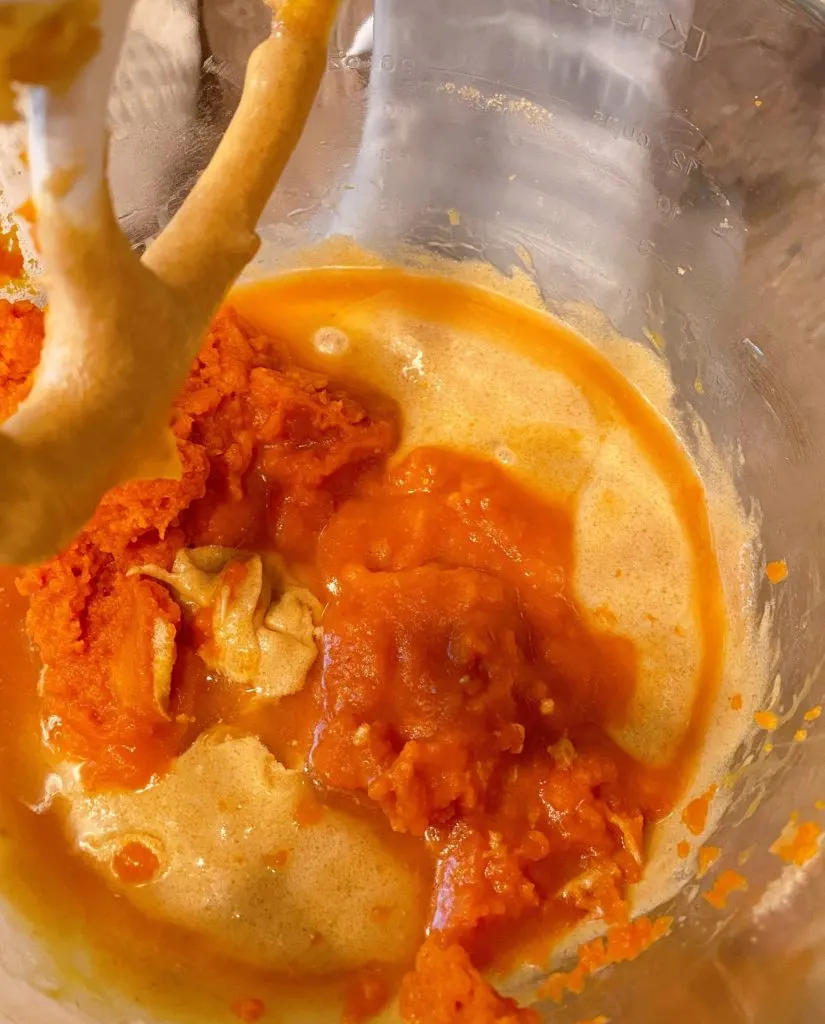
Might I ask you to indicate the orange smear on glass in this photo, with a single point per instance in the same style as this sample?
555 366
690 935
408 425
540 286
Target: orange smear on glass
736 702
27 211
776 571
11 255
799 843
622 943
708 856
726 884
683 849
695 815
767 720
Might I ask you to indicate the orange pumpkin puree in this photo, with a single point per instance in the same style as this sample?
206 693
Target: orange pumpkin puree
266 451
249 1010
799 842
21 331
451 647
727 883
11 255
695 815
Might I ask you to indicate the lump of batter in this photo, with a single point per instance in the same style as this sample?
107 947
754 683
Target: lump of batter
232 845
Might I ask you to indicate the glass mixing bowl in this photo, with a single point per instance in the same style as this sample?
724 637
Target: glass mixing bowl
661 160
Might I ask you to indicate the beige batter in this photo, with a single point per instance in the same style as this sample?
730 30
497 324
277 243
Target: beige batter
239 869
462 377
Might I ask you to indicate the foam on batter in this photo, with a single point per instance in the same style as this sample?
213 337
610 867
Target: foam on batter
236 866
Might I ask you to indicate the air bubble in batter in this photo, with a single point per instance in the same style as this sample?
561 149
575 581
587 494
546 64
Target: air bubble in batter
330 341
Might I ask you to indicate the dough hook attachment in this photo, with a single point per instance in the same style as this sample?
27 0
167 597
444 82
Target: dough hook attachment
122 331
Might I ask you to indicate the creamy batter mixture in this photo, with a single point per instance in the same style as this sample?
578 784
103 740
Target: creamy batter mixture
258 818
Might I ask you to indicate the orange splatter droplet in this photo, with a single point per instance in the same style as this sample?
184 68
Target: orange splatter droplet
800 735
11 255
683 849
798 843
777 571
277 861
28 211
249 1010
736 702
596 1020
309 810
368 992
708 856
728 882
381 913
768 720
813 713
820 805
622 942
135 863
695 815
